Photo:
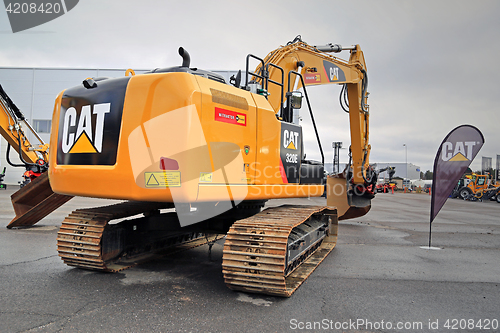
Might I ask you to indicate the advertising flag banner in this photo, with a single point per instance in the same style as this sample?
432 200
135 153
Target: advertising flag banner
498 168
453 157
486 163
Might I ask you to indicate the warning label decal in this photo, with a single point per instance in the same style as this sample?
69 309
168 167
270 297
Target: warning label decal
205 177
162 179
230 117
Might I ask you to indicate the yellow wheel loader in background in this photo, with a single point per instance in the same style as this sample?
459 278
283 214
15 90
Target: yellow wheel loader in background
478 189
195 155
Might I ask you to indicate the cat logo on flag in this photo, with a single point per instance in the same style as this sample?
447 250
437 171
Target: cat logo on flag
454 155
461 152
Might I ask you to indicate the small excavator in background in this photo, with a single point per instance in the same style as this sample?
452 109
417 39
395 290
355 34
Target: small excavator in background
388 186
193 155
35 199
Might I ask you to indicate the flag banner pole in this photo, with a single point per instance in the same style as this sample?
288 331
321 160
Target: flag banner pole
454 155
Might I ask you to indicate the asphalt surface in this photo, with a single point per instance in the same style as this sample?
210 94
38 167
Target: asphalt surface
377 279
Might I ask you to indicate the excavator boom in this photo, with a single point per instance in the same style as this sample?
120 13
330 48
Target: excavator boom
318 67
352 190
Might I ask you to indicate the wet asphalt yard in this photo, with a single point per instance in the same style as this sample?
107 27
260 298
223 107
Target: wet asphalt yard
377 279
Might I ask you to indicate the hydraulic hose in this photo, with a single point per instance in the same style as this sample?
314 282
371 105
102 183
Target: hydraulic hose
8 159
344 97
21 155
364 88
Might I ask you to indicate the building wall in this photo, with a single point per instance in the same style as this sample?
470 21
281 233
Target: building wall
34 91
404 170
413 170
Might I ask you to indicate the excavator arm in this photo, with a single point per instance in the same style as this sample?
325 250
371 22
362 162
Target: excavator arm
35 200
318 67
308 65
12 121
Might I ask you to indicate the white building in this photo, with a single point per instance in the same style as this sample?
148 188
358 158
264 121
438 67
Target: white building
403 170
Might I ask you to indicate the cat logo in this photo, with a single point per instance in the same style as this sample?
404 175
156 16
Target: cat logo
334 73
78 136
290 139
461 152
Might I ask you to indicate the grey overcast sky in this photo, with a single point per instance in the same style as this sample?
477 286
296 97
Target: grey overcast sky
432 65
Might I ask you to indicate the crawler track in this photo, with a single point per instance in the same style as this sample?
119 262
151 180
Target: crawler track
84 234
255 251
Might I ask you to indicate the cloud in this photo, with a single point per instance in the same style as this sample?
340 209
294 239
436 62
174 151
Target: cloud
431 65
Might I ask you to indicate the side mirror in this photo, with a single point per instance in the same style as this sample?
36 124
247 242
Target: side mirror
296 100
236 81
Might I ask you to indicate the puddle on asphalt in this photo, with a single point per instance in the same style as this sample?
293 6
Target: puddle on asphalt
254 301
143 277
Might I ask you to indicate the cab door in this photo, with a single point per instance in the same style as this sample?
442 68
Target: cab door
229 119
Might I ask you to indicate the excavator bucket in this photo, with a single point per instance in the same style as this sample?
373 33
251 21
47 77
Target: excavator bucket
336 196
35 201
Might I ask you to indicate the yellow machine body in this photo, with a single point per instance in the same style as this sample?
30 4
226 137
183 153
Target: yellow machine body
182 138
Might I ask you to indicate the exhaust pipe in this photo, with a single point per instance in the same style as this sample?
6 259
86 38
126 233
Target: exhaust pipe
186 59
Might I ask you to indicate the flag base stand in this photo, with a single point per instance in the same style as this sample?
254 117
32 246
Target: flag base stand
431 248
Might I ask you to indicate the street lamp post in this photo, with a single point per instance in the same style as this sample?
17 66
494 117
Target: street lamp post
406 161
336 165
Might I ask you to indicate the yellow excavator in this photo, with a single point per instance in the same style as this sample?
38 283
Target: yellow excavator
193 155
